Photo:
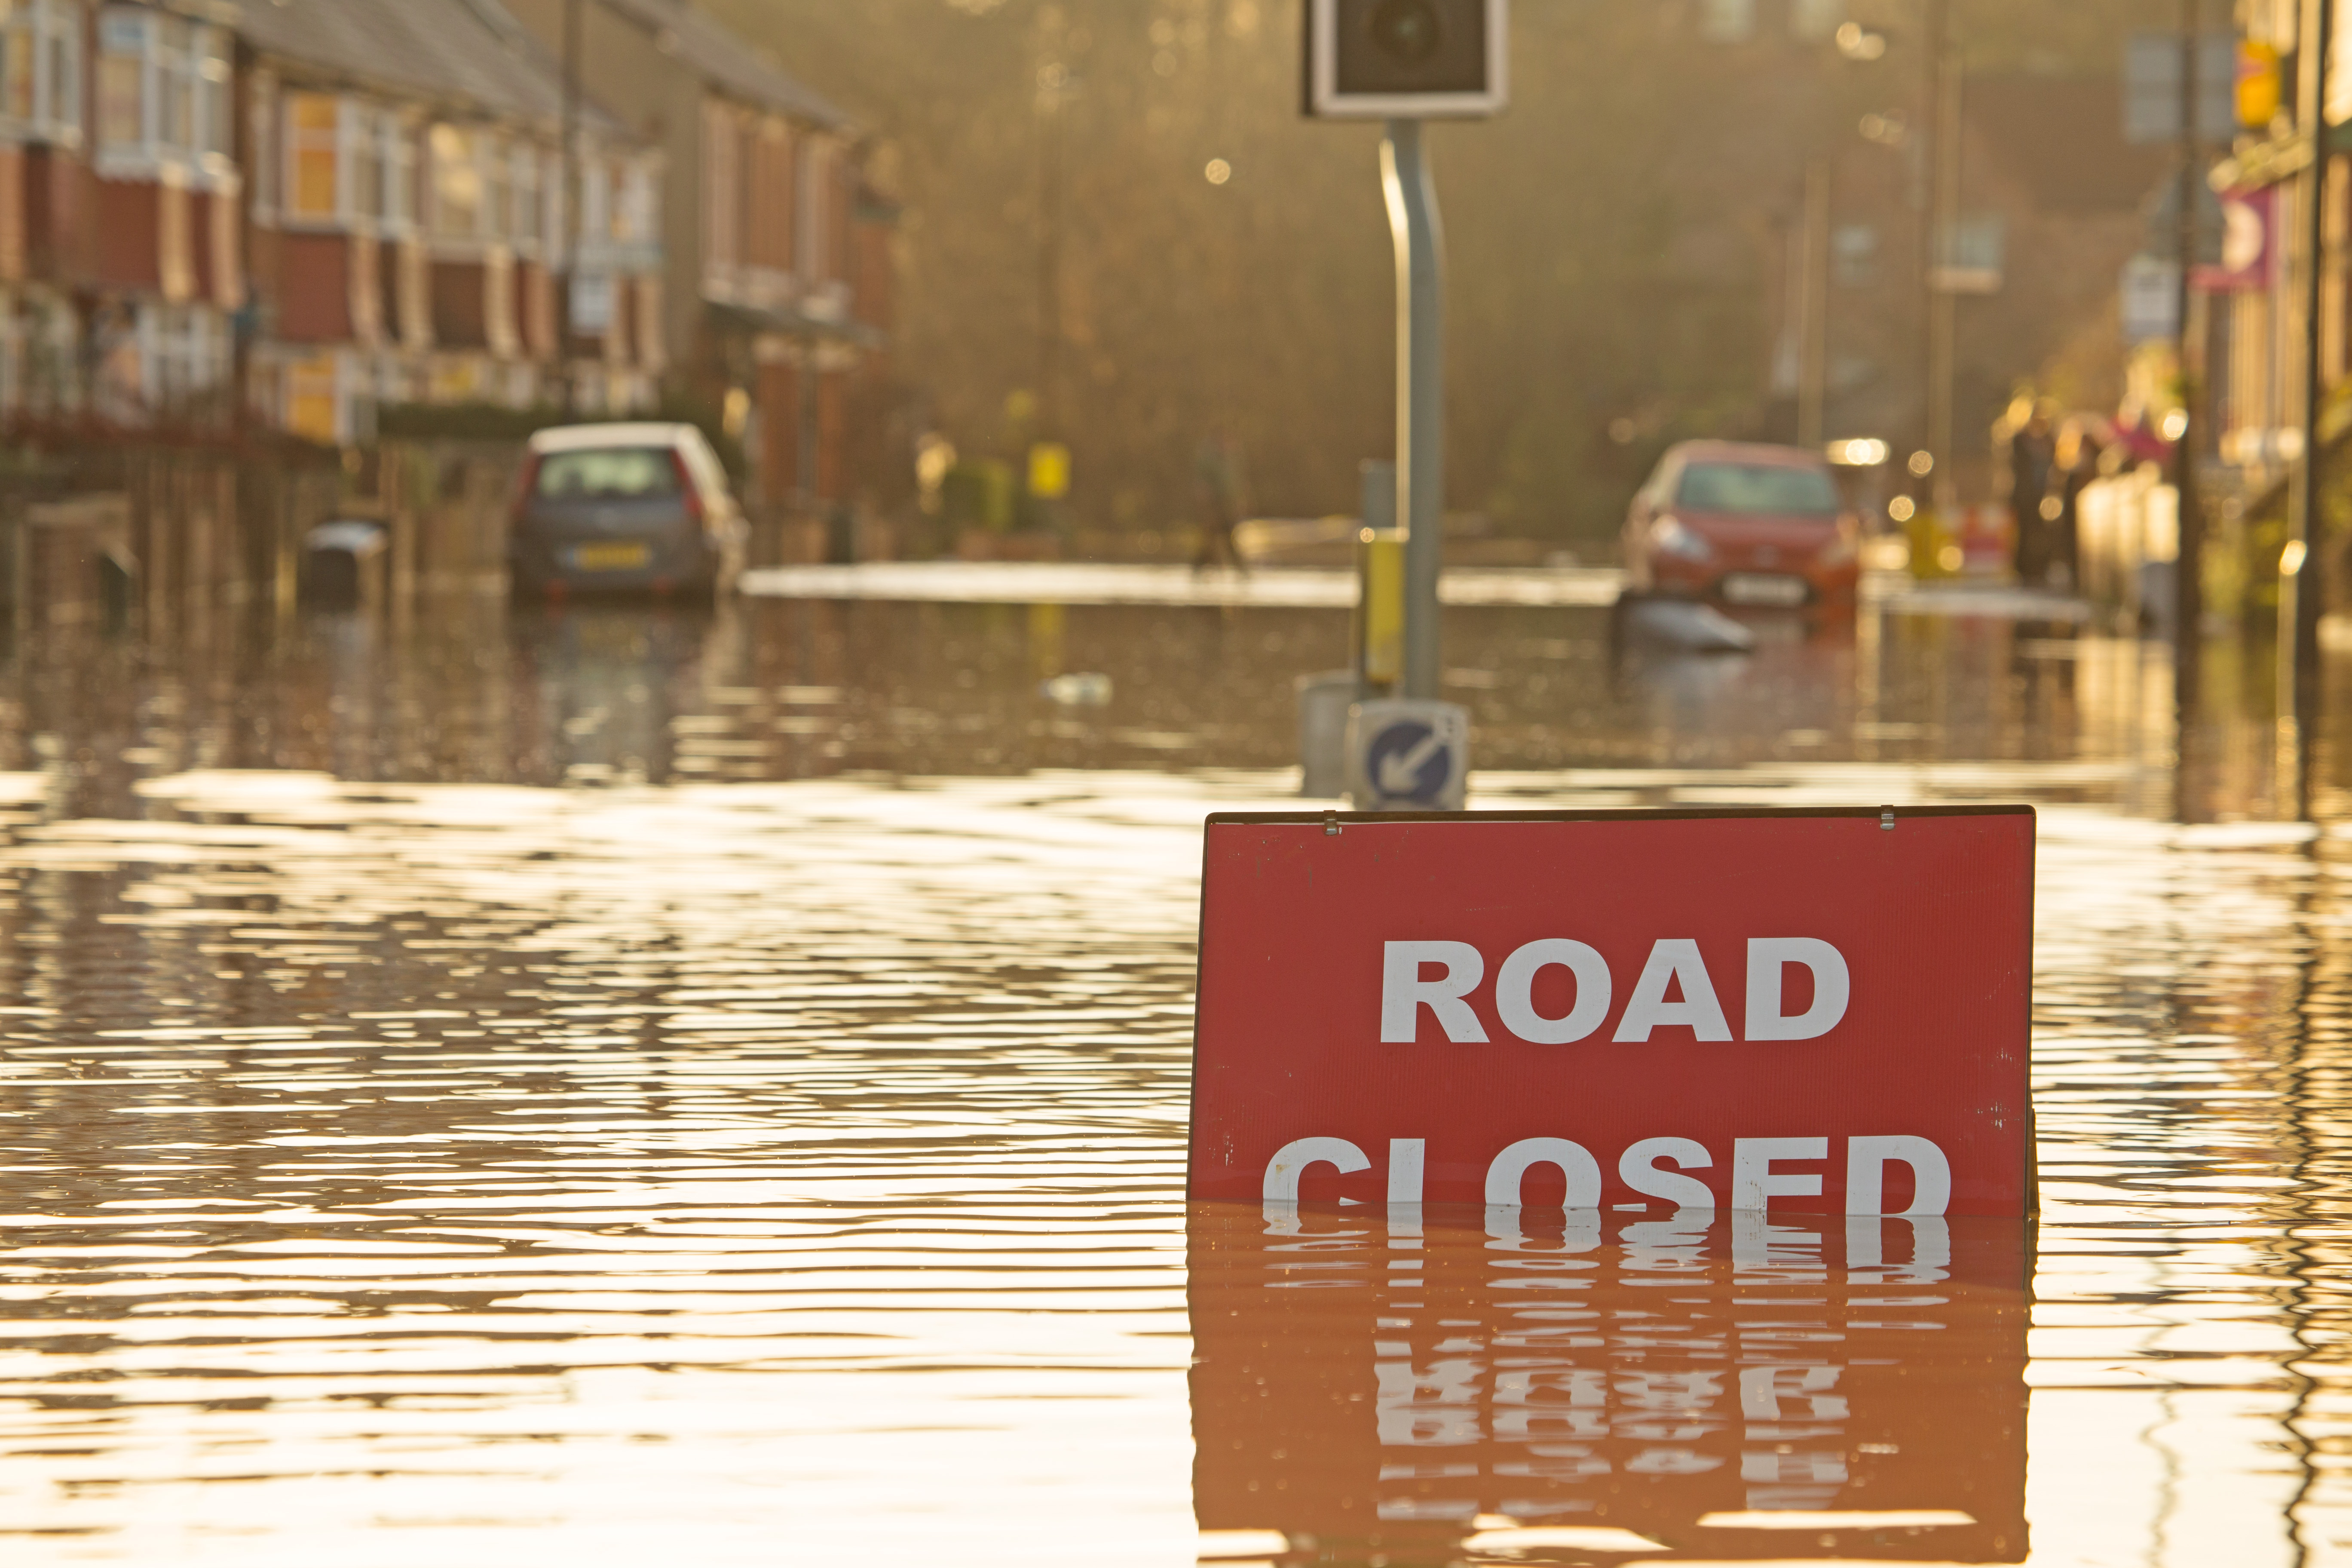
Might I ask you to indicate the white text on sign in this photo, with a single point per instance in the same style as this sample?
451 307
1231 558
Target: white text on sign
1674 990
1757 1177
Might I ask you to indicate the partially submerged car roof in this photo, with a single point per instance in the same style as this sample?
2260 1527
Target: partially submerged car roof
589 437
1761 454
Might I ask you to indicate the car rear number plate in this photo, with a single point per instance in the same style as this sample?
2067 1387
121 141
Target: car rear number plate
1753 588
611 557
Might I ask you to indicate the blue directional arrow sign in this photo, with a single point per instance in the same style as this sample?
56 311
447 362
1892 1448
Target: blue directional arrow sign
1410 761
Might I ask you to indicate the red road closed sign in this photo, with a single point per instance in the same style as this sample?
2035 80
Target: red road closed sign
1816 1011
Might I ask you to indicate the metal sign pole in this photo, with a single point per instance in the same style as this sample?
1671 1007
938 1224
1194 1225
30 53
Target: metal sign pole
2300 580
1421 393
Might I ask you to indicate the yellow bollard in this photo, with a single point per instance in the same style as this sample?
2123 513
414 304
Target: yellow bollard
1935 551
1380 612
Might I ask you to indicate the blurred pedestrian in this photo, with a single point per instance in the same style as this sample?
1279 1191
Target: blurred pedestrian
2077 467
2032 457
1217 473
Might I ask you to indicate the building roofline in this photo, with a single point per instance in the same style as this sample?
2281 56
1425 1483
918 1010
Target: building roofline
727 64
447 98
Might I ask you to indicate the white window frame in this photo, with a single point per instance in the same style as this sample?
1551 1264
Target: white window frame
436 228
51 30
811 239
179 54
493 164
641 204
526 209
171 84
358 132
596 206
402 213
268 167
214 81
556 212
61 101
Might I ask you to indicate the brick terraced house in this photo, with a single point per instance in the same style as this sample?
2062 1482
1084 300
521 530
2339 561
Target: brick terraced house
408 221
775 247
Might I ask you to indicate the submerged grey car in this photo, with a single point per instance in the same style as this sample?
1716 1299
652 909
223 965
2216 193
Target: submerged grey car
638 508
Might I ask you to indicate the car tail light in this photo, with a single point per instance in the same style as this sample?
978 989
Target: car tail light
686 488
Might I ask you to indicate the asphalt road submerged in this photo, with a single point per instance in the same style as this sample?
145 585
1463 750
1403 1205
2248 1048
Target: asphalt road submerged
456 1112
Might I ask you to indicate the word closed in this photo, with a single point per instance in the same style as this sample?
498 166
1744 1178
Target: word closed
1820 1011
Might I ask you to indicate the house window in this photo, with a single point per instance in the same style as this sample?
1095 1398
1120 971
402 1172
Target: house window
216 96
122 79
815 189
60 110
161 81
498 186
265 167
528 208
40 60
171 67
365 138
1853 255
399 177
313 147
638 223
595 204
458 194
559 214
722 188
20 68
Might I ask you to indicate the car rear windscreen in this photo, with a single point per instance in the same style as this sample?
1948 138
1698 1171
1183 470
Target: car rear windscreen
608 473
1756 488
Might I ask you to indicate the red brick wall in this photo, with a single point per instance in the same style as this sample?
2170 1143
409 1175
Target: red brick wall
130 234
779 457
461 304
59 195
220 250
841 208
619 337
832 435
535 309
314 298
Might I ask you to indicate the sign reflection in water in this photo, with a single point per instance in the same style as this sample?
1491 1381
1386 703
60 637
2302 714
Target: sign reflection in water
1718 1386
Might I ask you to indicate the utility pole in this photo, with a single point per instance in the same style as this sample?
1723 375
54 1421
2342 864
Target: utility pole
1053 83
571 236
2189 586
2300 579
1928 192
1943 299
1813 318
1414 224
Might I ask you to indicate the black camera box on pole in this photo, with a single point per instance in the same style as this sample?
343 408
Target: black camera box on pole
1407 59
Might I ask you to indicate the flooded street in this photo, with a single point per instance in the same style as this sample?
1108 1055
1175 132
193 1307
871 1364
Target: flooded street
620 1085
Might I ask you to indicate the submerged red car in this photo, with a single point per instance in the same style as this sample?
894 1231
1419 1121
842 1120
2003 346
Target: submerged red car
1744 524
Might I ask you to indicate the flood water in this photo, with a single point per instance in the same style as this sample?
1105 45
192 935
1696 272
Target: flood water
626 1086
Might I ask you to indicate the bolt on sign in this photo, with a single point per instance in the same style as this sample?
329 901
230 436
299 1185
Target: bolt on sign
1810 1010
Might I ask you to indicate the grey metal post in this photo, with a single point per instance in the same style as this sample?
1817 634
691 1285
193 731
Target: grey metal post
574 233
2299 590
1421 393
2188 557
1813 314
